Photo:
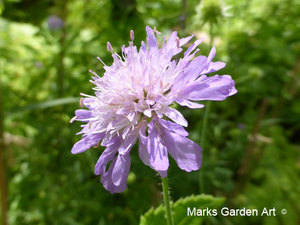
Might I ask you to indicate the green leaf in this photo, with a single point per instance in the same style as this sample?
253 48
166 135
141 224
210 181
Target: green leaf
179 208
47 104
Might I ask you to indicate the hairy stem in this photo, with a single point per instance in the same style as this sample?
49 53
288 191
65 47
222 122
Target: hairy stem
167 201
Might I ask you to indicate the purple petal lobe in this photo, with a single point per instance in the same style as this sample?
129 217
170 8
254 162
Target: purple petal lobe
185 40
83 114
185 152
174 127
176 116
80 147
121 170
108 155
192 47
151 37
212 54
213 67
107 181
215 88
158 155
171 43
143 151
128 142
190 104
193 70
86 143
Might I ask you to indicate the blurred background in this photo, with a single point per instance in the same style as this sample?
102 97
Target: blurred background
252 142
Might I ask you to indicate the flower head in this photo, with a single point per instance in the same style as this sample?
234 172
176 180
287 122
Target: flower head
55 23
133 102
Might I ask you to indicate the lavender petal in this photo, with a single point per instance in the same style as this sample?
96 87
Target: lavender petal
86 143
216 88
158 155
107 156
174 127
151 37
107 181
121 170
185 152
176 116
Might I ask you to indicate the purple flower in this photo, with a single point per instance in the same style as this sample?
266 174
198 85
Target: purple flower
55 23
133 102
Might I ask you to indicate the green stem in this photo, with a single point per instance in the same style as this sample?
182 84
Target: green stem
207 109
202 141
205 119
211 35
167 201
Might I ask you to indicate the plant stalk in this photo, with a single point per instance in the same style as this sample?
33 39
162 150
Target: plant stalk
167 201
205 118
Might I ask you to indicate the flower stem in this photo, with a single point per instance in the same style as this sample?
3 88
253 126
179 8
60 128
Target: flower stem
204 125
205 119
167 201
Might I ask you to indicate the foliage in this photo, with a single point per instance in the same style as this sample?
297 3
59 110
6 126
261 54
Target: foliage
155 216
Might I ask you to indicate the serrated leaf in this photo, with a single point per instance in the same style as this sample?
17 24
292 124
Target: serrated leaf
179 208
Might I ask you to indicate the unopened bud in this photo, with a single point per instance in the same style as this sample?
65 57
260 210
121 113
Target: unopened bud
132 35
109 47
177 42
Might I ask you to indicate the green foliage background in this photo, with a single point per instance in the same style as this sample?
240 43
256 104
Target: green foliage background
251 150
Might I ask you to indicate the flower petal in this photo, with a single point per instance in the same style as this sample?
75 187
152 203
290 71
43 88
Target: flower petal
171 43
108 183
185 40
128 142
121 170
185 152
151 40
190 104
143 151
80 147
192 47
212 54
108 155
194 69
158 155
215 88
174 127
83 114
213 67
87 142
176 116
191 73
